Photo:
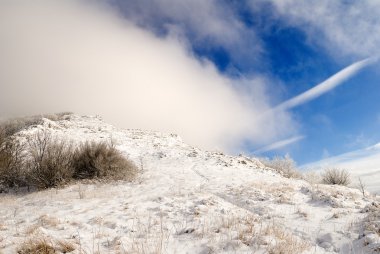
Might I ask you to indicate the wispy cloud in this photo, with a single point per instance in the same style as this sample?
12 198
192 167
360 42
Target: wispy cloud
279 144
318 90
351 29
327 85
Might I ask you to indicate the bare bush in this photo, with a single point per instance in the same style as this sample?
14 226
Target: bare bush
335 176
11 163
102 160
284 165
50 161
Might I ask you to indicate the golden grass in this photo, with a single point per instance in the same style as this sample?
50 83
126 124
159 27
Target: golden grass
285 242
43 245
37 246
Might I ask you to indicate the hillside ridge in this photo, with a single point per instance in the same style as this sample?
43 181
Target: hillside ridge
186 200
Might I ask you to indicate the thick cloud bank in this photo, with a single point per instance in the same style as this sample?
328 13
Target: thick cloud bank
82 57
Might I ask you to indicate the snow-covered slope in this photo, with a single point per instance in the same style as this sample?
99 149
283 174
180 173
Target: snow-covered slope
184 201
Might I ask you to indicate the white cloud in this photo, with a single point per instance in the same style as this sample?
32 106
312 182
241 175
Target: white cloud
279 144
345 28
80 56
364 163
327 85
208 23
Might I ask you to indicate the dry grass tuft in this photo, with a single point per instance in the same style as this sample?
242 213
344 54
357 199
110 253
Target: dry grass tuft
32 229
37 246
48 221
285 242
302 213
65 246
3 227
43 245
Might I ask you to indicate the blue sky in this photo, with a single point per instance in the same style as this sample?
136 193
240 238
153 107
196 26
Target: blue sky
295 52
215 72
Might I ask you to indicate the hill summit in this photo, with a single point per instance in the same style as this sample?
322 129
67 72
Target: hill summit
183 200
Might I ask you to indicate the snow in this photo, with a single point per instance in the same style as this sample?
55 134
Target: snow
185 200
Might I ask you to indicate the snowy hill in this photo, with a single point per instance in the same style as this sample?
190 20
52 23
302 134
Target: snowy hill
186 200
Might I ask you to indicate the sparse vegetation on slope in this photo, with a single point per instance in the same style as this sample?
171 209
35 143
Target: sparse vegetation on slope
44 161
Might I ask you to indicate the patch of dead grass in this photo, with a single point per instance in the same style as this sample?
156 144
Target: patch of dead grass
285 242
44 245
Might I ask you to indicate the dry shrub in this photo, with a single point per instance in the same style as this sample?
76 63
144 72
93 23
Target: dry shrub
50 161
102 160
284 165
335 176
11 163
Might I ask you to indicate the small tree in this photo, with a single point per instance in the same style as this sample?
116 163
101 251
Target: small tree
361 186
335 176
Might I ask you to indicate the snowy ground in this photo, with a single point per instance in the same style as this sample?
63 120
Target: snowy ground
186 201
